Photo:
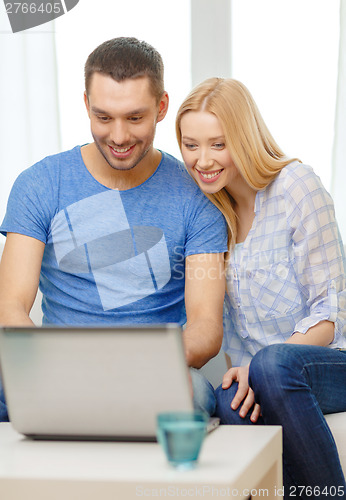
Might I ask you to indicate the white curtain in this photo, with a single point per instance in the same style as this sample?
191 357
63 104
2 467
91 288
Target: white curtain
338 190
29 122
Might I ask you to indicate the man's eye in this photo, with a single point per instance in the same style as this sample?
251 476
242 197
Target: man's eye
135 118
103 118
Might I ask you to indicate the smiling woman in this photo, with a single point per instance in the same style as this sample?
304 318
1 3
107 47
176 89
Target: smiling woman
284 310
207 157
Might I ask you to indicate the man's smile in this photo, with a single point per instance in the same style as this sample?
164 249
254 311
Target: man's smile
121 152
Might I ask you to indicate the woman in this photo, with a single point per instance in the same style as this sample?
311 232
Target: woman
285 311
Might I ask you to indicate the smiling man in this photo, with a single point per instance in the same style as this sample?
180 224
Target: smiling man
115 232
123 117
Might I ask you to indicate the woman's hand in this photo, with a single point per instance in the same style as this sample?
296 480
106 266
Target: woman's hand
244 393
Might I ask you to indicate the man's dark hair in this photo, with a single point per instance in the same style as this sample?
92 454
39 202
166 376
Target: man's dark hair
123 58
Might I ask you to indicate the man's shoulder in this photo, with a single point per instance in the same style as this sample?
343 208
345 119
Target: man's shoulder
177 173
54 160
187 194
50 167
69 156
172 162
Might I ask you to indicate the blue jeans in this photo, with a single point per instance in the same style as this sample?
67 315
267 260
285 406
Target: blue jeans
203 392
3 407
203 395
295 385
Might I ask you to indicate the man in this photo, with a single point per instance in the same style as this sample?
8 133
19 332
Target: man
111 229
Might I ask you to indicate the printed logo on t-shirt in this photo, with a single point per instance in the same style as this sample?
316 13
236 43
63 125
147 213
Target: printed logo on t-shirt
94 236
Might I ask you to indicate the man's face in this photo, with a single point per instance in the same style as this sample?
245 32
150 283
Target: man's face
123 117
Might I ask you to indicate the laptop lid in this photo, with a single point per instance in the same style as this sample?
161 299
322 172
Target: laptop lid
93 382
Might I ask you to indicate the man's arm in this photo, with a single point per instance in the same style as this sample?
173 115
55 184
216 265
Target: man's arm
19 277
204 296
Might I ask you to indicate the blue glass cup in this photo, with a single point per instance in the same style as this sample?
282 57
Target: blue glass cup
181 435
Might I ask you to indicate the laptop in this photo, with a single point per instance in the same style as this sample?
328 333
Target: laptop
93 382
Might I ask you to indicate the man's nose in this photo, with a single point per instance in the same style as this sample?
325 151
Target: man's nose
120 133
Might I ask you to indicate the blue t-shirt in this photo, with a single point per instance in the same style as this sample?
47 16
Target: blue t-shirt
113 257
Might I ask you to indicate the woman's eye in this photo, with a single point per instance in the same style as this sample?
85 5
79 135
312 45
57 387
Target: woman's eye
219 145
190 146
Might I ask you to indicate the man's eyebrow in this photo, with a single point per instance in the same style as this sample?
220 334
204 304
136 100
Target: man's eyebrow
139 111
100 111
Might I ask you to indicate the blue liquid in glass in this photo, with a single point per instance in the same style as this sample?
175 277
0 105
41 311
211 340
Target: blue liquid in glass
182 441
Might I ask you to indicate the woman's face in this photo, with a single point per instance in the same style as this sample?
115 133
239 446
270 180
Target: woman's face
204 151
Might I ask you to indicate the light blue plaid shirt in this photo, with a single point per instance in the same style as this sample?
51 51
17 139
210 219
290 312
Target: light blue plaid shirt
289 274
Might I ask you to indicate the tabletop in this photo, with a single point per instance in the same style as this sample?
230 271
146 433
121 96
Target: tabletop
231 456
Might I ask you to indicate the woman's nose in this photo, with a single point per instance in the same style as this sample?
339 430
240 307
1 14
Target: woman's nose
204 161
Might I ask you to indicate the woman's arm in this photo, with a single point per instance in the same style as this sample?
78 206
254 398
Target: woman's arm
318 258
320 334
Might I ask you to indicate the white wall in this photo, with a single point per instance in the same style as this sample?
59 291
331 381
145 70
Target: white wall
286 52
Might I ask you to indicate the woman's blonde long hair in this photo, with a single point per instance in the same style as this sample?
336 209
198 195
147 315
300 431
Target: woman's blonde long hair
248 140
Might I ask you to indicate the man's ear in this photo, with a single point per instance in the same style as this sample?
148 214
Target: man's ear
86 102
163 107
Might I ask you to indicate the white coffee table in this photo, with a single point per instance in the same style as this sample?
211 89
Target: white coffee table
234 460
